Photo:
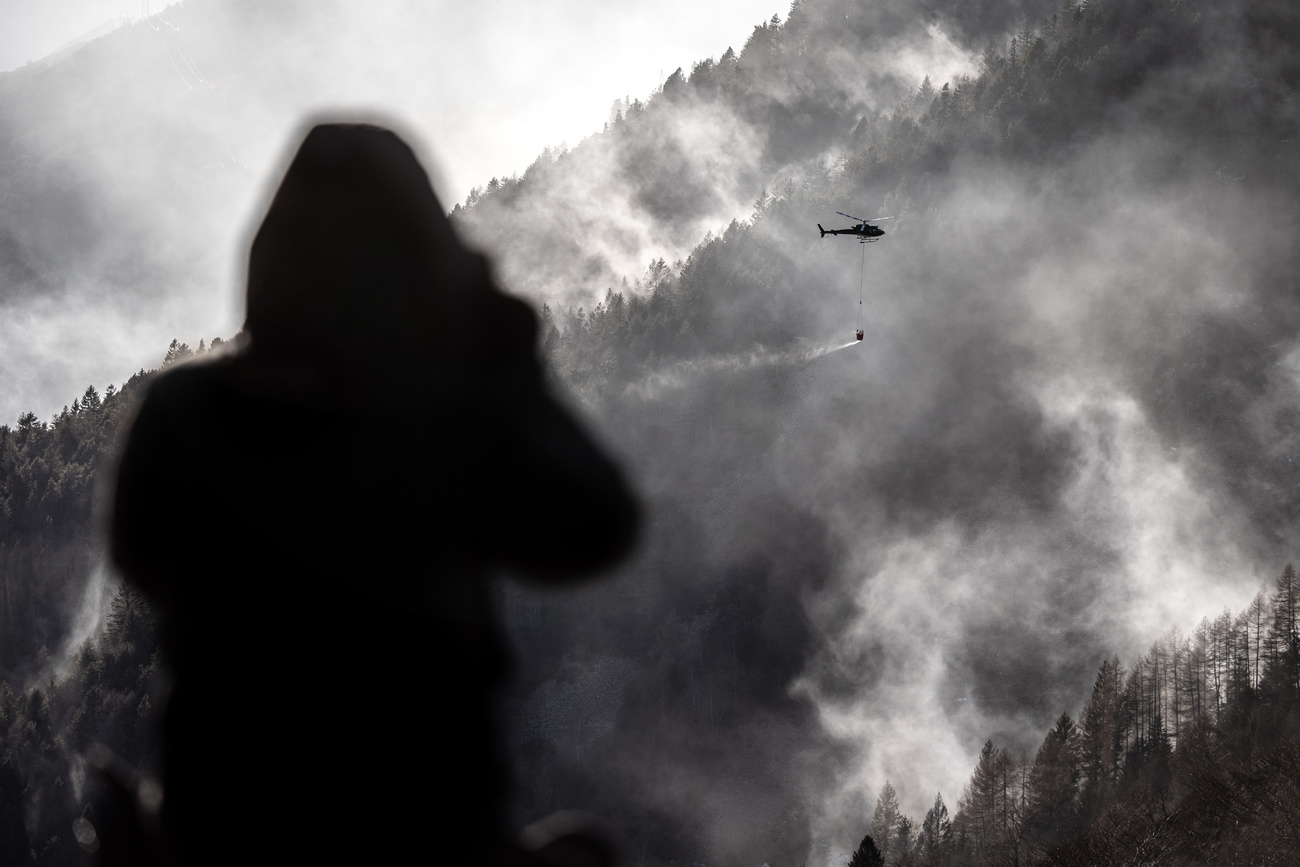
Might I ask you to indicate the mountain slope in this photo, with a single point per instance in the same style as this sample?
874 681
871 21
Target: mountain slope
1068 427
1064 430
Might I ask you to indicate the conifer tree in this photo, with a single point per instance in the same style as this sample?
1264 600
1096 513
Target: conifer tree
1100 739
903 841
1257 617
884 821
176 353
991 60
924 96
867 854
1284 638
13 829
1053 783
935 838
990 814
1027 38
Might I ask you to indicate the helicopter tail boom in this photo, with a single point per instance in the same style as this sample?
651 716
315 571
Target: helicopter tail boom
823 231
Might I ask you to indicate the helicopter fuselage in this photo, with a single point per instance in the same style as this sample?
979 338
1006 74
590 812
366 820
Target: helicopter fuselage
862 230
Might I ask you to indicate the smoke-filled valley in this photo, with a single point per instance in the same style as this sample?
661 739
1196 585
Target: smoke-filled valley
1068 429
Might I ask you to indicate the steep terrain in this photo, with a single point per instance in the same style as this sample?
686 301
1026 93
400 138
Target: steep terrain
1064 433
1067 430
132 169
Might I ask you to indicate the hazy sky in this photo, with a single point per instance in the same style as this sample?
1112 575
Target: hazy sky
481 88
569 60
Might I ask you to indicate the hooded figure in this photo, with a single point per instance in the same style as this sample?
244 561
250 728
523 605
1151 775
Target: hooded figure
314 516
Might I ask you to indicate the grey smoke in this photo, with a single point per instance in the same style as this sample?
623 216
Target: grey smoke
1069 427
1068 430
138 164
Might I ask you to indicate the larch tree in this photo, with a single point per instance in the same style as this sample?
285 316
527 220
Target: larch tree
989 810
1257 616
1284 638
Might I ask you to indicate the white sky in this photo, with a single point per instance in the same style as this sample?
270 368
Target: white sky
568 61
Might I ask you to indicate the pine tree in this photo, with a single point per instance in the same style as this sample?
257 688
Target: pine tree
674 87
903 842
176 353
936 834
1099 738
867 854
1027 39
884 822
991 61
924 96
1053 783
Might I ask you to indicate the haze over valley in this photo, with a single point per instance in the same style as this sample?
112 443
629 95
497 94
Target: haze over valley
1069 427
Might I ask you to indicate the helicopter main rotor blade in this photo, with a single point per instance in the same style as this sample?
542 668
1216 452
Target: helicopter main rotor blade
872 220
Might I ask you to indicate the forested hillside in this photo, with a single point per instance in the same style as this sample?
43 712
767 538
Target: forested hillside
1070 405
1069 428
79 661
1189 756
46 502
132 168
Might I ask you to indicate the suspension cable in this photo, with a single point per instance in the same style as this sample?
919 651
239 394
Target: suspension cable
862 278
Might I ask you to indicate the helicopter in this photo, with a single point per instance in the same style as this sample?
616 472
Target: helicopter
864 231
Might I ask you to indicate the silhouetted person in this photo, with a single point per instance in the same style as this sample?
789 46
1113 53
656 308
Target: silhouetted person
314 517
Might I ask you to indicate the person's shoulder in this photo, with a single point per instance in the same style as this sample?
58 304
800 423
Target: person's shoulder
185 389
182 379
